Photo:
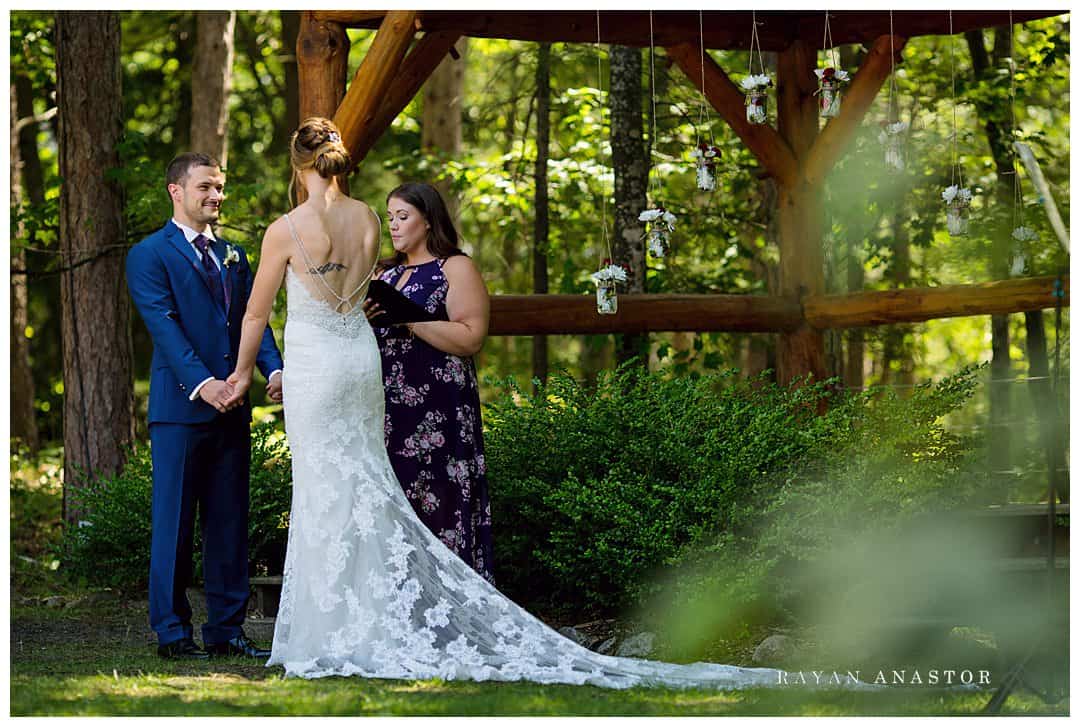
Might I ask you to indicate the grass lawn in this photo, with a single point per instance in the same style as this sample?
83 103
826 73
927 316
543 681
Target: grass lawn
94 654
99 659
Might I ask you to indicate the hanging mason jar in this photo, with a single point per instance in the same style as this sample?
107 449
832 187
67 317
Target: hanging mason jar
661 223
892 139
757 110
957 200
606 278
829 82
607 300
956 220
706 156
757 98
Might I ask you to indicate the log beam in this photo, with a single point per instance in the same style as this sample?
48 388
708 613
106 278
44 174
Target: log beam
723 29
913 305
857 100
528 315
770 149
417 67
358 112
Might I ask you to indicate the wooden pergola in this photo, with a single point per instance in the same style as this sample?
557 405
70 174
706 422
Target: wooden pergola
410 44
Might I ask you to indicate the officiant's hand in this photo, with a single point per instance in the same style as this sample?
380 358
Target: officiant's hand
240 384
371 308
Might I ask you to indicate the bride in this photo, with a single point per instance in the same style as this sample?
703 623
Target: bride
368 590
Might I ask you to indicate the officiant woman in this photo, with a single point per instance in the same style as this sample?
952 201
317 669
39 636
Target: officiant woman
433 431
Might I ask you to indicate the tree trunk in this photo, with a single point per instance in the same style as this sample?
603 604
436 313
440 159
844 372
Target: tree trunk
211 81
99 417
540 230
287 124
322 62
631 165
23 424
440 129
998 128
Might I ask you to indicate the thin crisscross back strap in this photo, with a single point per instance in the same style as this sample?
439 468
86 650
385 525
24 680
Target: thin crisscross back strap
315 271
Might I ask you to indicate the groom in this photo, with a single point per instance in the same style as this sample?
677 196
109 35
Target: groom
191 288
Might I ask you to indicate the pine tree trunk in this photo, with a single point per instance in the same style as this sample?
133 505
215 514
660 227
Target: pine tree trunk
540 230
23 423
99 421
211 81
440 129
631 164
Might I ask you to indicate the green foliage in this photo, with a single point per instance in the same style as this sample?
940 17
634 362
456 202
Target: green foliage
892 460
707 482
593 489
111 544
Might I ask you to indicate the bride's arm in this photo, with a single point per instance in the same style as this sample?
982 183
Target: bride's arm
467 307
268 278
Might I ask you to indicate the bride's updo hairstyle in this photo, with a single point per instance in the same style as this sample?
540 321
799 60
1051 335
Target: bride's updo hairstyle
317 145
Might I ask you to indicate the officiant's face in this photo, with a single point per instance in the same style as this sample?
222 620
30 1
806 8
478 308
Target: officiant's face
408 228
197 201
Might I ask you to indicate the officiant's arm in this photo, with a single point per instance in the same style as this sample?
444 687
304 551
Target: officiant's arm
467 307
272 261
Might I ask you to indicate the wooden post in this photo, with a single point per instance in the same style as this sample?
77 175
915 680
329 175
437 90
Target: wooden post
802 273
322 59
358 112
322 55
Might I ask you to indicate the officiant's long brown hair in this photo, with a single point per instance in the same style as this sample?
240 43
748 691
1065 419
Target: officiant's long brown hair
442 239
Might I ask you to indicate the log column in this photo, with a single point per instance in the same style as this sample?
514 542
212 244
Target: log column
322 59
802 273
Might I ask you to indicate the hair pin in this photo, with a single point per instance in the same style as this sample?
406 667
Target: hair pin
333 136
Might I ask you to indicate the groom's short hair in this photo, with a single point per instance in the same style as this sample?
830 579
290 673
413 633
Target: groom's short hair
178 168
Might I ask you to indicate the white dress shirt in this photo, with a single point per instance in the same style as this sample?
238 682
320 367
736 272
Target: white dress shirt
208 233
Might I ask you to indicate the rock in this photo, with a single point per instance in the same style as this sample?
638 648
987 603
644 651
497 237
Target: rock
774 650
638 645
574 635
606 647
54 602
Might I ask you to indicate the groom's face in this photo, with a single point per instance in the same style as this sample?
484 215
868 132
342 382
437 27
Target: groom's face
198 198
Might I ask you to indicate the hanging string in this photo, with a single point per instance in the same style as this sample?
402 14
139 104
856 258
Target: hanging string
600 105
703 115
894 103
827 45
957 175
652 92
755 42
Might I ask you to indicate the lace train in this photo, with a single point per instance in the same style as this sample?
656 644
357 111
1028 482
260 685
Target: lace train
368 590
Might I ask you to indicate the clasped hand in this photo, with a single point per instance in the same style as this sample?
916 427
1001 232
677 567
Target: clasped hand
229 394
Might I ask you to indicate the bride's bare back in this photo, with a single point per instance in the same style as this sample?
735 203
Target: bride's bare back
335 250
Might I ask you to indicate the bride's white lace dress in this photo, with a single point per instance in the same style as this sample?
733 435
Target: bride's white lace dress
368 590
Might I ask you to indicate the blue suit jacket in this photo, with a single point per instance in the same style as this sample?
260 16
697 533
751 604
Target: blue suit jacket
194 338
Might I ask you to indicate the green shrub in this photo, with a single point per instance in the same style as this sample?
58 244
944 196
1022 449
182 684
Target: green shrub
593 490
895 464
111 546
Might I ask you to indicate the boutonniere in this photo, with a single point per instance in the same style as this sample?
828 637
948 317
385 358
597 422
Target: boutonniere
232 255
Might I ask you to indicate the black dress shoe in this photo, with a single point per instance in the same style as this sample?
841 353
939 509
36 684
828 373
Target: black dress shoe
238 646
182 649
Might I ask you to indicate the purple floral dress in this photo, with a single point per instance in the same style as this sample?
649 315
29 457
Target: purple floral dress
433 430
